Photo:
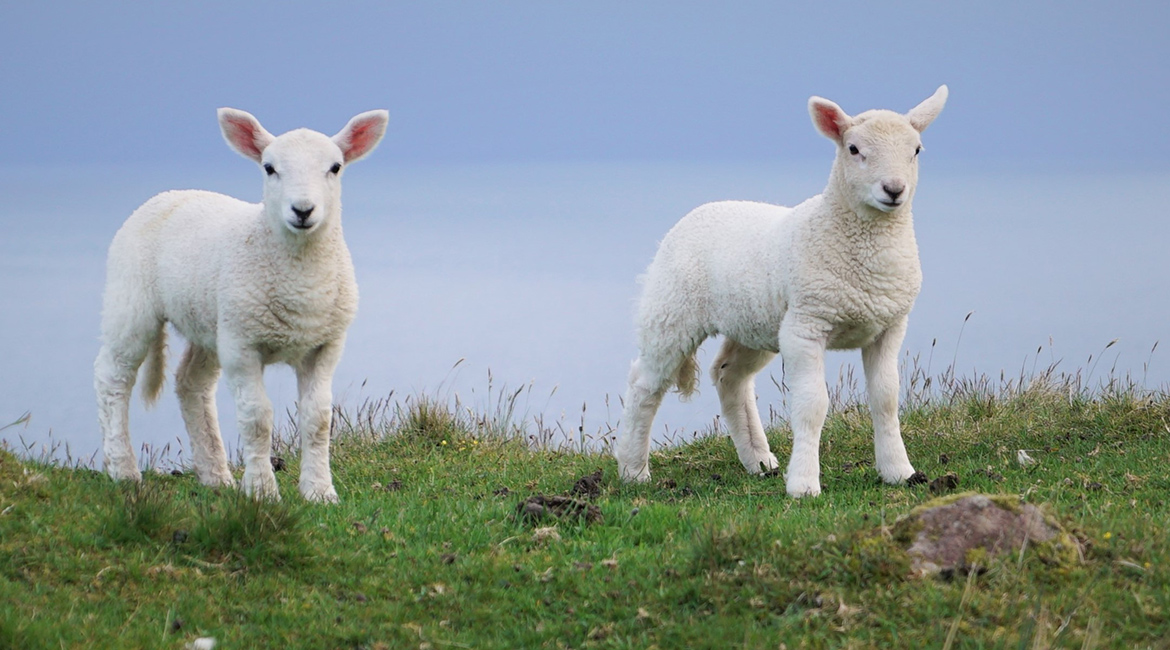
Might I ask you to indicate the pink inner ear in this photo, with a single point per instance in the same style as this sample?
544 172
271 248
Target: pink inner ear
827 120
243 134
363 136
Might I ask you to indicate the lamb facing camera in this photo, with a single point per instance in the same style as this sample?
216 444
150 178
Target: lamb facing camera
838 271
247 285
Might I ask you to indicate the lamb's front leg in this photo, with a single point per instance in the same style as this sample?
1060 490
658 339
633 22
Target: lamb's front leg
881 380
804 372
244 370
315 411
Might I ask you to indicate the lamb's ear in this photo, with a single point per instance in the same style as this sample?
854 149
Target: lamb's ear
923 114
829 119
362 134
244 133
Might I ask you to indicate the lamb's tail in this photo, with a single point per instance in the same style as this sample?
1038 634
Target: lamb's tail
687 379
156 367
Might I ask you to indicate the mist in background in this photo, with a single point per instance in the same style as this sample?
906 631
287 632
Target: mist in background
536 154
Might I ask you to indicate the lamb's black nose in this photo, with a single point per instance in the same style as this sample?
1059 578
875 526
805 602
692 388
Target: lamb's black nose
302 213
894 190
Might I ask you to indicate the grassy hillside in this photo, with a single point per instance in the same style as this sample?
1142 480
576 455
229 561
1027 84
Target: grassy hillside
425 551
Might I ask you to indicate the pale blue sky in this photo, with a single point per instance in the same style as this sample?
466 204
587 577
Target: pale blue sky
1048 83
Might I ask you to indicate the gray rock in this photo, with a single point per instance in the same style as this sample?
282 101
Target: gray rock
960 533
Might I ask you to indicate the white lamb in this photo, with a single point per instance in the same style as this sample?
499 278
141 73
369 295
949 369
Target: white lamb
247 285
838 271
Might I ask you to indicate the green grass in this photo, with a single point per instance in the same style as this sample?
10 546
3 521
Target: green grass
424 551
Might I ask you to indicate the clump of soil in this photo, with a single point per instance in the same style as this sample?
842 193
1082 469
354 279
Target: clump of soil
541 507
958 533
945 483
588 486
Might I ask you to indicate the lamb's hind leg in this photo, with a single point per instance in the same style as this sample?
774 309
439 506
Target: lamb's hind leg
651 375
734 373
195 384
115 371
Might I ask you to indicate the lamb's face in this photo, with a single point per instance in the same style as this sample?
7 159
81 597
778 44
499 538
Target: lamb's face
878 160
302 187
877 152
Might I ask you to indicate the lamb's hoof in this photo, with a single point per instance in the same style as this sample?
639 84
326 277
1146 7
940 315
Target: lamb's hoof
897 475
261 486
123 474
761 463
630 475
217 479
804 487
319 494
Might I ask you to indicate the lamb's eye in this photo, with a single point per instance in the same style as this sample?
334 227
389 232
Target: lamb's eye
269 169
335 168
853 149
918 150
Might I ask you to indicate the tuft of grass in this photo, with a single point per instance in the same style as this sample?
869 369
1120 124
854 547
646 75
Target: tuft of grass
427 419
145 511
717 549
252 533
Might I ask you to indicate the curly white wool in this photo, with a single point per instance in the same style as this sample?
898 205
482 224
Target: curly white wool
838 271
247 285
